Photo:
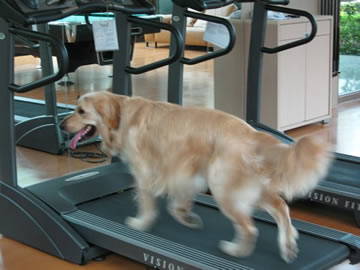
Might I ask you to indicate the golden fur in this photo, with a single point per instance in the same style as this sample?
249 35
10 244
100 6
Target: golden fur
179 152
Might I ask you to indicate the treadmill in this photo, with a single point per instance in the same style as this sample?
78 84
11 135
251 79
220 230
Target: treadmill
80 216
36 120
341 187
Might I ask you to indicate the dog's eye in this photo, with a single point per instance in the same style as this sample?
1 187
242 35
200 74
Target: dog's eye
81 111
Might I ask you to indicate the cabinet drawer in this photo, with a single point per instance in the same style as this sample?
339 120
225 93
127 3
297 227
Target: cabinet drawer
323 27
298 30
292 31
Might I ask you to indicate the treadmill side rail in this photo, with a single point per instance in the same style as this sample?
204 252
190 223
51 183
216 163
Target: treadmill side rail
353 242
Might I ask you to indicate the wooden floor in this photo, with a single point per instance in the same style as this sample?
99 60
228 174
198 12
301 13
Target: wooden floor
33 166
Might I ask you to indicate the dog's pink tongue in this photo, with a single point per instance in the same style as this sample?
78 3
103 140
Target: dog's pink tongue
76 138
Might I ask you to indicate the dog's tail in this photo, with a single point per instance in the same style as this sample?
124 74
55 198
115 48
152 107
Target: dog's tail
298 168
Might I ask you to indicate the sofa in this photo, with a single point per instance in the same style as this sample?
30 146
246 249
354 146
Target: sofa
194 31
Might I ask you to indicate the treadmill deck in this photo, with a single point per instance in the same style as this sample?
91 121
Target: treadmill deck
101 222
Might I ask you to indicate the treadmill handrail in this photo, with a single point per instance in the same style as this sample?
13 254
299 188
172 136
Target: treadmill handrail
259 126
296 43
175 55
146 8
347 158
274 2
232 38
201 5
62 59
26 42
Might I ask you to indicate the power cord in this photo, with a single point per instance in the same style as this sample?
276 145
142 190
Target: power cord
89 157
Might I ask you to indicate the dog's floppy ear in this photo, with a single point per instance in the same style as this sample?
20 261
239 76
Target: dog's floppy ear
109 109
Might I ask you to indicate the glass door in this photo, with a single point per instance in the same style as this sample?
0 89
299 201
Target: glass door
349 49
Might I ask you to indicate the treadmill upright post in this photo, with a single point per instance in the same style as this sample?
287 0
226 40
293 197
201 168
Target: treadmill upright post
47 69
122 57
7 137
49 89
256 56
176 69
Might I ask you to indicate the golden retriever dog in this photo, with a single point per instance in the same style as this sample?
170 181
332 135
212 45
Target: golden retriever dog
177 152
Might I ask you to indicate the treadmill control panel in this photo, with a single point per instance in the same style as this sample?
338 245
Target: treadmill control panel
28 12
34 4
37 4
42 5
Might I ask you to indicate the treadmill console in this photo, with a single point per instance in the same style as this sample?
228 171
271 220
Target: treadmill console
26 12
19 11
37 4
30 6
33 4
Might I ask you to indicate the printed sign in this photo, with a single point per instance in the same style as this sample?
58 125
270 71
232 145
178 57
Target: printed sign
105 35
217 34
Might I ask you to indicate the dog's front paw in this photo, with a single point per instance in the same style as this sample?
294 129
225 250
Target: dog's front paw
229 248
295 233
289 252
288 247
137 223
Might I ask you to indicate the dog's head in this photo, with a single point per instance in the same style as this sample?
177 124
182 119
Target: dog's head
94 113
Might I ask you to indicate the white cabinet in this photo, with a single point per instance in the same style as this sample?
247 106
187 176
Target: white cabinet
296 83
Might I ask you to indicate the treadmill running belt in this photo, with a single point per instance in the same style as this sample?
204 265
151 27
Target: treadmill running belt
314 252
345 173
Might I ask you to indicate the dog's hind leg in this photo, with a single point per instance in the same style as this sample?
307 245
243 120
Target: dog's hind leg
288 235
181 201
180 209
245 233
236 202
